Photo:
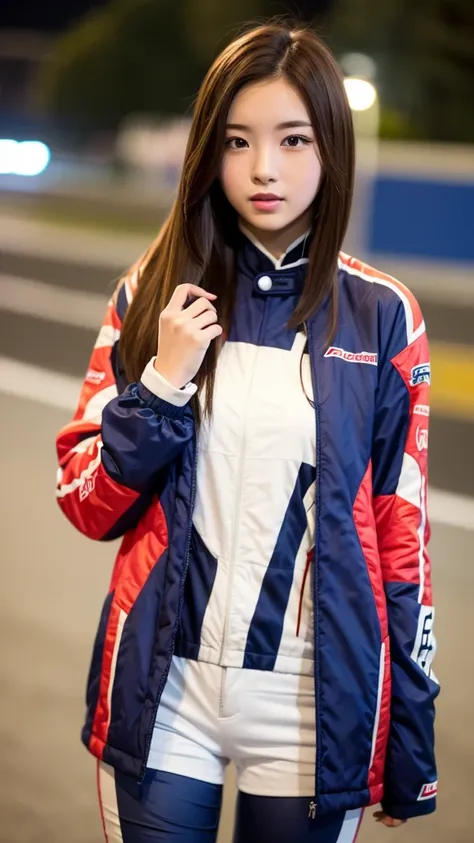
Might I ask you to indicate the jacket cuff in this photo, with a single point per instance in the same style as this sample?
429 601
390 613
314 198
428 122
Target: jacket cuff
407 812
159 386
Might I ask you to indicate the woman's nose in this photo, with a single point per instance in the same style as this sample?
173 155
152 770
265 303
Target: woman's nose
264 170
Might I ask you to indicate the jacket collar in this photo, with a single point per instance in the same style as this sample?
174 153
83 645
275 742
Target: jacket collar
284 276
295 255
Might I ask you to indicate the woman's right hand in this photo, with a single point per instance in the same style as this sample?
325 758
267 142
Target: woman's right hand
185 334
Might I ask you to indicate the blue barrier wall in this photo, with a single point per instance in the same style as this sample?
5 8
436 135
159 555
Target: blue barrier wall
422 218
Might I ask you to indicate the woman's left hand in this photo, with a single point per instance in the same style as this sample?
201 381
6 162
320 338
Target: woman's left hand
390 822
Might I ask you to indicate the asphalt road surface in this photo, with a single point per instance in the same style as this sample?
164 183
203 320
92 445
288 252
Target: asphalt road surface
53 582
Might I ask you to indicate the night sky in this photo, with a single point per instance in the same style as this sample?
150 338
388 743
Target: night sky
54 15
46 15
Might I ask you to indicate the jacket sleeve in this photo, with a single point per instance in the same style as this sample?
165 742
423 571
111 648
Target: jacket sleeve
113 453
400 453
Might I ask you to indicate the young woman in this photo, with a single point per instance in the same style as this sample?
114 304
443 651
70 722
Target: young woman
254 424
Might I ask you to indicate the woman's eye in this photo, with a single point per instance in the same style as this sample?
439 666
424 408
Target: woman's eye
236 143
297 140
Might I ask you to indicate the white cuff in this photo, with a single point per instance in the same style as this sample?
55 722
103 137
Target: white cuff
165 390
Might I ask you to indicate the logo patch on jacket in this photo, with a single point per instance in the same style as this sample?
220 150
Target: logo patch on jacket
428 791
369 357
421 410
86 488
420 374
421 437
93 376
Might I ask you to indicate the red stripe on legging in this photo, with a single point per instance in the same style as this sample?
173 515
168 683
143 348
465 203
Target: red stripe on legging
358 826
99 793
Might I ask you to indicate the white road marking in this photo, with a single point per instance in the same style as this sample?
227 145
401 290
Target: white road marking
56 304
62 391
32 382
34 238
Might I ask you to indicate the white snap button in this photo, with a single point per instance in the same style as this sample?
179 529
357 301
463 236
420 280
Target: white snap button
265 283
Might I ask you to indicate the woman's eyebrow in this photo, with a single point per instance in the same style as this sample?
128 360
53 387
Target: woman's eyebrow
289 124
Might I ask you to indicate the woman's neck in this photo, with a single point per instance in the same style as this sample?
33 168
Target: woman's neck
278 242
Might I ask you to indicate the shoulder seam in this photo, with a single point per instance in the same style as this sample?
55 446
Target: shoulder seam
415 325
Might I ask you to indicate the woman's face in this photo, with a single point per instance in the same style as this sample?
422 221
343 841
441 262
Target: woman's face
271 150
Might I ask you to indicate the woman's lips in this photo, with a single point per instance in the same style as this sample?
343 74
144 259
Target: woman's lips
266 204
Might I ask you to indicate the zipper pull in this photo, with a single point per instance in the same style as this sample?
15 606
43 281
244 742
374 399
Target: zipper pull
312 811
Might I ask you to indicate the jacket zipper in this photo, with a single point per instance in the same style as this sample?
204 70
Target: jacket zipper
178 615
313 803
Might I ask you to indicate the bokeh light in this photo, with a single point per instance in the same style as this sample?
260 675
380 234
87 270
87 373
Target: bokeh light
360 93
23 158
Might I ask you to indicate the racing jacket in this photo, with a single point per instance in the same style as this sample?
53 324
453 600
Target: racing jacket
127 467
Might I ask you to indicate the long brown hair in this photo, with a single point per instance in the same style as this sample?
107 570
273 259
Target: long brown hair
196 242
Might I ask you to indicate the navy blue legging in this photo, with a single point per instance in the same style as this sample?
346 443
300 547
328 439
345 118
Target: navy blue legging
178 809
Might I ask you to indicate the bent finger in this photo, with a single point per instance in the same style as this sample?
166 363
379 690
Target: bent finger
209 317
199 306
184 291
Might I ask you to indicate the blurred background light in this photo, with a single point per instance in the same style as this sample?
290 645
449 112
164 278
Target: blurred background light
25 158
8 155
359 65
32 158
360 92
